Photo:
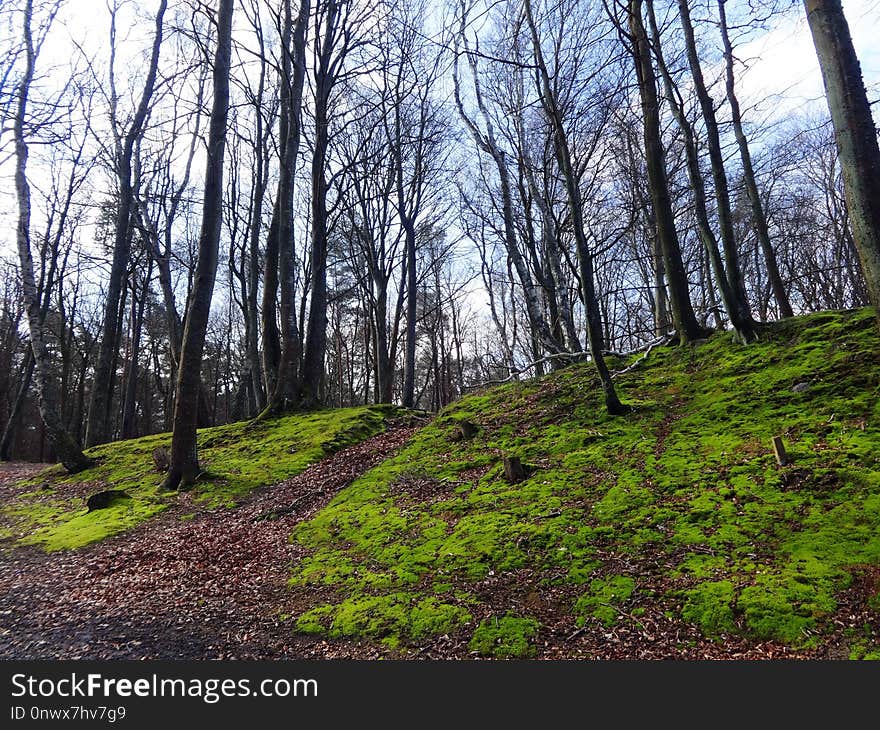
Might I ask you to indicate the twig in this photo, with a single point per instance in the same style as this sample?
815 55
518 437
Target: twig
516 371
644 357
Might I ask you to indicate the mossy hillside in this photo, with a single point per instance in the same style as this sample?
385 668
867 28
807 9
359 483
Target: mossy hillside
236 458
687 482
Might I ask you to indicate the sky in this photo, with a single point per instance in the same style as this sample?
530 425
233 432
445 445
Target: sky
779 72
782 65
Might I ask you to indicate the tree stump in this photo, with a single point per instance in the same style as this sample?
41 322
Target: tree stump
464 430
514 471
467 430
782 457
102 500
161 458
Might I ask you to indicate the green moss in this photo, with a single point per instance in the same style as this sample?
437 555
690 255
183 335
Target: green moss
239 457
784 606
688 480
393 616
604 599
507 637
710 606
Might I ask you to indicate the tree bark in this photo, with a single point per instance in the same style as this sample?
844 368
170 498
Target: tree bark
759 218
98 429
743 325
716 158
854 132
316 337
184 454
683 316
15 408
68 450
285 393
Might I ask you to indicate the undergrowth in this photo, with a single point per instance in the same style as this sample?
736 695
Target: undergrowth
677 508
236 458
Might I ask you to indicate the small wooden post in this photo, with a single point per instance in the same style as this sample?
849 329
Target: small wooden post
781 454
513 469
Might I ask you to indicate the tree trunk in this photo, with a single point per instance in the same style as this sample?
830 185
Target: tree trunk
15 408
719 175
129 408
316 338
68 450
409 358
758 217
736 309
488 144
683 316
98 428
184 467
292 81
854 132
595 338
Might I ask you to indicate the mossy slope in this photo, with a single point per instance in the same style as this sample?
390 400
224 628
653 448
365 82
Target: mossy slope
236 458
678 508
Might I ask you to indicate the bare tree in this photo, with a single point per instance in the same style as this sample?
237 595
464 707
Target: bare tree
184 468
124 143
293 72
686 324
551 108
69 451
758 216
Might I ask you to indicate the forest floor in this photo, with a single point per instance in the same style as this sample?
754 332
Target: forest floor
670 532
210 586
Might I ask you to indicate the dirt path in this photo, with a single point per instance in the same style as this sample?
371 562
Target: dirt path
209 587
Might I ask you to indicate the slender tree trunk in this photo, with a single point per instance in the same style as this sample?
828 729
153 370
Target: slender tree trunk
759 218
184 467
15 408
409 357
719 175
737 310
316 337
661 311
854 132
68 450
98 428
595 337
285 393
683 316
269 315
409 231
253 270
129 409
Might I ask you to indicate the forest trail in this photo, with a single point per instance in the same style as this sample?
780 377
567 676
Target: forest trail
209 586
